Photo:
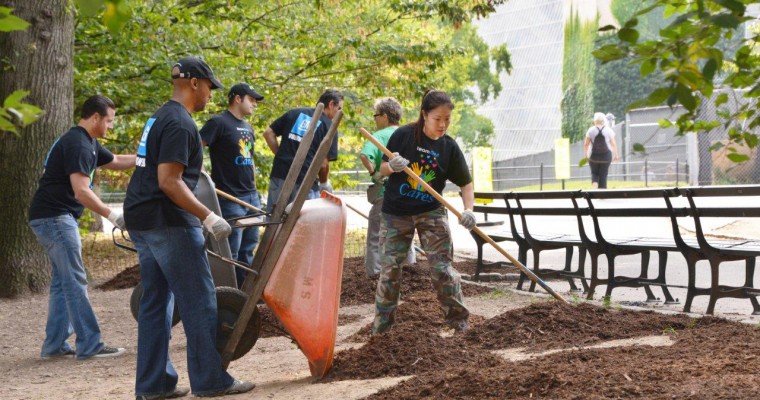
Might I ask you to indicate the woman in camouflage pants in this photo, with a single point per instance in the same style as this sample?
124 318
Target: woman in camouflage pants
425 148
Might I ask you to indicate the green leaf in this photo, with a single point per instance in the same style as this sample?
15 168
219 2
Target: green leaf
609 52
629 35
665 123
647 67
685 97
639 148
708 71
582 162
721 99
726 20
716 146
10 22
733 5
737 158
607 28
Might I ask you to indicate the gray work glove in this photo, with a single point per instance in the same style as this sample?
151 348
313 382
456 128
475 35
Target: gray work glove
217 226
398 163
117 219
468 220
326 186
377 177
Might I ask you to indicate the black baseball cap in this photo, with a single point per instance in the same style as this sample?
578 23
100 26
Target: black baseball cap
242 89
194 67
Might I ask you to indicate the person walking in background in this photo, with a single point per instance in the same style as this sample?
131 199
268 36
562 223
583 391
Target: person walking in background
436 158
65 189
230 140
163 219
291 127
600 149
387 116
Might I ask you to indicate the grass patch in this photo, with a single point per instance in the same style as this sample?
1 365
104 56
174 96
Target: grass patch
497 293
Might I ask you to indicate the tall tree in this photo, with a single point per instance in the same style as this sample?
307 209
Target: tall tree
38 60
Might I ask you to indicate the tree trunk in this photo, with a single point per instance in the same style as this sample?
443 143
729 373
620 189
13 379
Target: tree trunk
38 60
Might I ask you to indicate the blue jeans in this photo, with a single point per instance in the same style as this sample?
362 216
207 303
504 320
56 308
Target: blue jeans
242 241
69 308
275 187
173 260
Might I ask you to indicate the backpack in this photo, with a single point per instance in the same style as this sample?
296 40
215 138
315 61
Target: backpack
599 146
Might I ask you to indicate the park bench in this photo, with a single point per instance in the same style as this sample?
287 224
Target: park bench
671 204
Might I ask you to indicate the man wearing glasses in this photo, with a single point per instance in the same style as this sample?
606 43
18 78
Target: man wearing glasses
387 117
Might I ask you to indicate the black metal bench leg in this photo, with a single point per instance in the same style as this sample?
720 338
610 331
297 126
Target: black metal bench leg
610 275
715 285
594 276
663 260
522 256
749 283
569 269
691 289
582 267
480 265
536 270
645 275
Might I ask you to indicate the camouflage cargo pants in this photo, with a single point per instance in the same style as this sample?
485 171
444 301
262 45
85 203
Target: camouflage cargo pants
396 235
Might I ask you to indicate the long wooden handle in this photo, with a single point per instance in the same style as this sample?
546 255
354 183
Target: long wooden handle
456 212
238 201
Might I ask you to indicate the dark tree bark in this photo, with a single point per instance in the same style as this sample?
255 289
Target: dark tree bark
38 60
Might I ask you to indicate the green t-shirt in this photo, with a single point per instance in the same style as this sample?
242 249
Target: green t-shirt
371 151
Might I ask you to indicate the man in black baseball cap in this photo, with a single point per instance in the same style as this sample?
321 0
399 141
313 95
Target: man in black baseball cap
194 67
231 139
243 89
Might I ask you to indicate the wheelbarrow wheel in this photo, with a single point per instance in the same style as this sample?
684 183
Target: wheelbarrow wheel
134 304
230 302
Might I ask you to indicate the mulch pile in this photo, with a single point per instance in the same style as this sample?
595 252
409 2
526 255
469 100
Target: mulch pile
125 279
711 357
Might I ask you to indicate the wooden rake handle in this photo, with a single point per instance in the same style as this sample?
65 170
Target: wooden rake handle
456 212
238 201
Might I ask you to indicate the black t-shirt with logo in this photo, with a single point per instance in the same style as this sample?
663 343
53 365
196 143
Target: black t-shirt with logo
230 141
292 127
170 135
75 151
434 160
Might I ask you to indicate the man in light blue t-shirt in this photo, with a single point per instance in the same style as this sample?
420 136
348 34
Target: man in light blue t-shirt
387 117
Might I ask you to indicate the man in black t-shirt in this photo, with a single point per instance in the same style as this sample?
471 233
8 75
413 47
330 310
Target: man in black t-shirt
65 189
230 140
291 127
163 218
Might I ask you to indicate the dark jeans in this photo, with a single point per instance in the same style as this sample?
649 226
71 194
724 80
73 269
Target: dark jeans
599 172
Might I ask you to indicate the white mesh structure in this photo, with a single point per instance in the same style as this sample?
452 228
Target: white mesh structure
526 114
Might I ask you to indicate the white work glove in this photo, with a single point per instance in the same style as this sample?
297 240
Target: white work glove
377 177
398 163
217 226
468 220
117 219
326 186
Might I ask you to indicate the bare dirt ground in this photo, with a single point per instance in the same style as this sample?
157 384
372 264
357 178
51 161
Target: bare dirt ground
518 346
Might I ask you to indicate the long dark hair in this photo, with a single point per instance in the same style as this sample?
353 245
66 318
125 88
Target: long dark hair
431 100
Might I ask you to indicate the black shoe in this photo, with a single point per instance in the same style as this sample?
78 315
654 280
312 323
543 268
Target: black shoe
106 352
237 387
178 392
67 353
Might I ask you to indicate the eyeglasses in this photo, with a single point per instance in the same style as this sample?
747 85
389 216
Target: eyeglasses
377 115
